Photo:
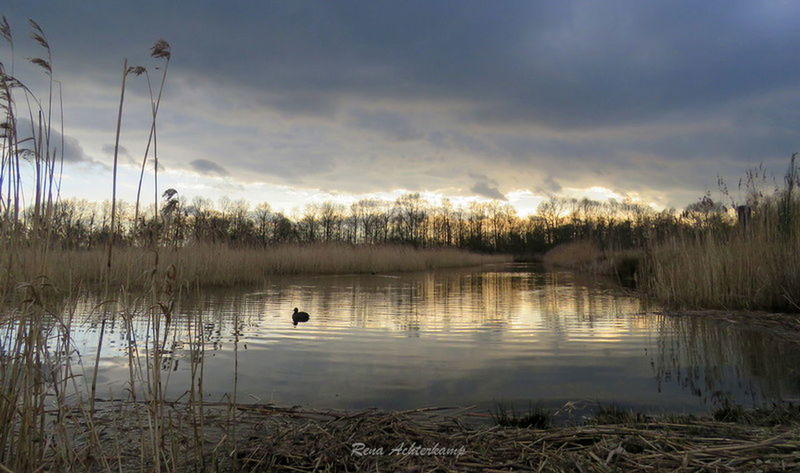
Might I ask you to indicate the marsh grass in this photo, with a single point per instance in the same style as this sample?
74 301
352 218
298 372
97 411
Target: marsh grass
48 389
581 254
220 265
757 271
47 394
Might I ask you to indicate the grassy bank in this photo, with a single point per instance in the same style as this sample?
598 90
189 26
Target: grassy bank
220 265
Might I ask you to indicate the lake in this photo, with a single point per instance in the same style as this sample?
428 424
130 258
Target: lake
502 333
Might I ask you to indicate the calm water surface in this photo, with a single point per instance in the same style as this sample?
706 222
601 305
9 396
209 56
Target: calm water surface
459 337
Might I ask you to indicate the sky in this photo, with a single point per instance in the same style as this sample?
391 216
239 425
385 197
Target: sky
292 102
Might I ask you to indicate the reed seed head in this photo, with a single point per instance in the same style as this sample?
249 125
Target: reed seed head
161 49
38 35
43 63
136 70
5 30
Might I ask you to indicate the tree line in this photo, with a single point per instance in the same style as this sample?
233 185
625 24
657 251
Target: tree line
492 226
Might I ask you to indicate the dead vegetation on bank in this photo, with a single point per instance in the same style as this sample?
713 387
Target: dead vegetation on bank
265 438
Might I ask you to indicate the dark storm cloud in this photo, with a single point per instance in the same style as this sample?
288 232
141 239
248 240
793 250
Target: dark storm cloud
204 166
619 92
392 125
573 64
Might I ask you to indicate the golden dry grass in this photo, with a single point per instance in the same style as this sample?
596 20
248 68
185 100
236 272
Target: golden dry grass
220 265
758 270
753 266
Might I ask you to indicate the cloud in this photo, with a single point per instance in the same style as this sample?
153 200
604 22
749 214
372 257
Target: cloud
564 64
392 125
551 186
109 150
73 151
204 166
123 152
487 188
303 104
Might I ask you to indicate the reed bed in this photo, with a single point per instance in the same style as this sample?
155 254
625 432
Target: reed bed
48 412
755 265
220 265
743 260
742 272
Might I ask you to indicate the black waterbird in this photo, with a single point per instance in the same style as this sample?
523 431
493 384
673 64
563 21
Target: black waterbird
299 317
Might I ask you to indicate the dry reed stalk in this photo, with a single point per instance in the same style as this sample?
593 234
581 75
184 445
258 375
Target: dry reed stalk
161 49
116 155
43 411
